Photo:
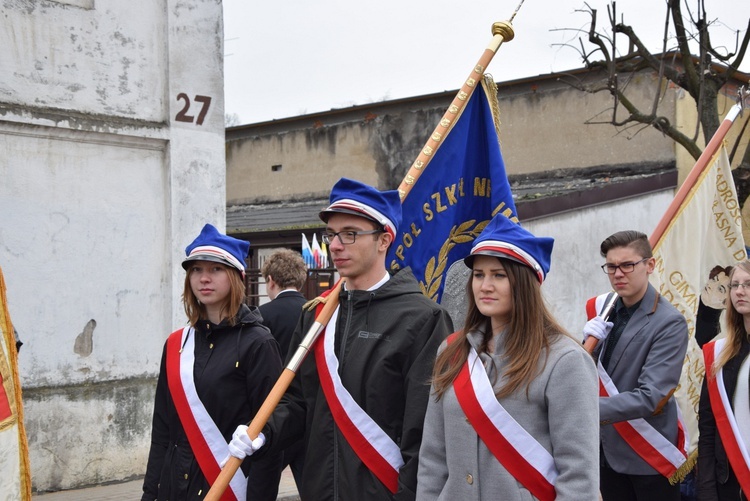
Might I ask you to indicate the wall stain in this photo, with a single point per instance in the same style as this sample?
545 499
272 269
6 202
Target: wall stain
115 415
395 141
316 138
84 344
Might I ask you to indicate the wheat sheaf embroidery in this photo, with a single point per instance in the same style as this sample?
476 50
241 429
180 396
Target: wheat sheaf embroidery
434 270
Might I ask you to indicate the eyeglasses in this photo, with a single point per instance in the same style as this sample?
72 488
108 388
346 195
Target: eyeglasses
611 269
347 237
743 286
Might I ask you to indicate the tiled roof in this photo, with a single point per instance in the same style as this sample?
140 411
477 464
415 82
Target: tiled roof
274 216
537 195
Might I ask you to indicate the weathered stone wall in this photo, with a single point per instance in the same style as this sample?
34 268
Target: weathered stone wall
111 160
543 129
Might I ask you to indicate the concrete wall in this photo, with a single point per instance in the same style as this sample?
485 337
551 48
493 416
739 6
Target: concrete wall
103 182
555 126
687 116
543 129
298 164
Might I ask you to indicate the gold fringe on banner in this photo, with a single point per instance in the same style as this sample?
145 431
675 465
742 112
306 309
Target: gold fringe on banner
490 88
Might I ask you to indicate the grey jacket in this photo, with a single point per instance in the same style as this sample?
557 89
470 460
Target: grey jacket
645 366
560 413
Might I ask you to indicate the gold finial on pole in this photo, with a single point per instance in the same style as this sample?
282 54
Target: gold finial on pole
505 29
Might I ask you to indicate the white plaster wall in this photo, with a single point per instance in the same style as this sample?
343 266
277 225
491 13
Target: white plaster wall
575 274
85 243
101 188
91 56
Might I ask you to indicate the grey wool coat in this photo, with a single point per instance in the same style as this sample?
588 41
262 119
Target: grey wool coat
561 413
645 366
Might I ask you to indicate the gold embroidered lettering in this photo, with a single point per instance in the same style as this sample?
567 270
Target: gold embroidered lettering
428 214
439 207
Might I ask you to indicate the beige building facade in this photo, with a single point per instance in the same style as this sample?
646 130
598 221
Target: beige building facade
543 130
550 131
573 175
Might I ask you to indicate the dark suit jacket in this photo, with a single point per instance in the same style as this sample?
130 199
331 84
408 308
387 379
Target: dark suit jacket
646 364
281 316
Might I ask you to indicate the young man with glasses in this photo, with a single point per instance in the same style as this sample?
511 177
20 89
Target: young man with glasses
358 401
641 351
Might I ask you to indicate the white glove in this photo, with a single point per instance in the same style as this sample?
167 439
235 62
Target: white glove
241 446
598 328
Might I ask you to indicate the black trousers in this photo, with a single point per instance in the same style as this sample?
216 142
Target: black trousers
294 457
620 487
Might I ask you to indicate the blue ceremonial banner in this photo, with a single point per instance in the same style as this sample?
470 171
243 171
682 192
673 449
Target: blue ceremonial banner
463 186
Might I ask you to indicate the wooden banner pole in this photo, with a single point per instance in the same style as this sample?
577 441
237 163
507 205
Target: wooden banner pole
502 32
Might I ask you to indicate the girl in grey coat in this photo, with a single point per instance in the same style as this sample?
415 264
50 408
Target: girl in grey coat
542 377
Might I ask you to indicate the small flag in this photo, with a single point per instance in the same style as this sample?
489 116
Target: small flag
317 253
307 253
324 249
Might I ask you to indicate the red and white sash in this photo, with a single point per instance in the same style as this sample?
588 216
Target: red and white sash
206 441
519 453
371 444
647 442
644 439
735 447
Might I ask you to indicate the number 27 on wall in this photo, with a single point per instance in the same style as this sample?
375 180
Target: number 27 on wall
183 116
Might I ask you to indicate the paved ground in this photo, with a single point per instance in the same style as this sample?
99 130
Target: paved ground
130 491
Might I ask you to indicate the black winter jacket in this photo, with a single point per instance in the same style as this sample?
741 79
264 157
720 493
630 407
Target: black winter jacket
716 480
386 342
235 368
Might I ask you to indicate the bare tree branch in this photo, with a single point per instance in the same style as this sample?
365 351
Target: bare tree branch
696 74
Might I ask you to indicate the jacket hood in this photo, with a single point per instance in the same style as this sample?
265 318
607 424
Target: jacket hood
249 315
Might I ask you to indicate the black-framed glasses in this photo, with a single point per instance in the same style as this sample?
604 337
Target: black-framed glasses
611 269
736 285
347 237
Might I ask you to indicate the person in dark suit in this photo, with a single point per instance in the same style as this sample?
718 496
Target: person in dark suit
285 273
641 355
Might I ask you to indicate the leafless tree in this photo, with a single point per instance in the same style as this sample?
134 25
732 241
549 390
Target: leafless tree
700 74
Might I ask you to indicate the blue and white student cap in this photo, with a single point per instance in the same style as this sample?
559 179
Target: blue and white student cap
505 239
211 245
352 197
